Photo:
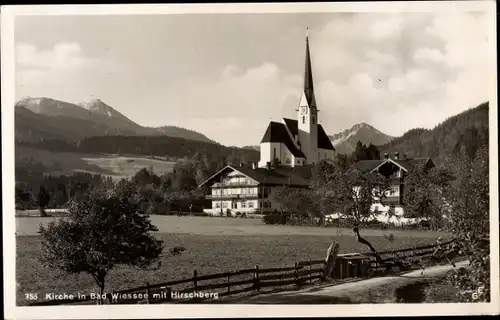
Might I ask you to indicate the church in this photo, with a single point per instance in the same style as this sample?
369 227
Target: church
288 152
298 142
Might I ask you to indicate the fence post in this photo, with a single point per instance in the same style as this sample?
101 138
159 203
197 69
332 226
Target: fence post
331 260
310 271
228 283
169 293
256 278
195 282
148 292
296 274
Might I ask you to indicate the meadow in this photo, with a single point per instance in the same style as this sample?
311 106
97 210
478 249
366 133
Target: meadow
213 245
116 166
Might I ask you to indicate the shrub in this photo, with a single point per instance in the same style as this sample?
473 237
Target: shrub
274 219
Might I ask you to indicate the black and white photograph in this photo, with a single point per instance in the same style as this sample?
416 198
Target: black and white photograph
250 159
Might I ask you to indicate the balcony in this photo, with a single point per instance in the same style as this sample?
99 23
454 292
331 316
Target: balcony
392 200
232 196
219 185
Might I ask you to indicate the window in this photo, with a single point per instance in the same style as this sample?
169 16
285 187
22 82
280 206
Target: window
274 153
287 160
234 205
393 191
224 204
243 205
303 119
250 204
217 205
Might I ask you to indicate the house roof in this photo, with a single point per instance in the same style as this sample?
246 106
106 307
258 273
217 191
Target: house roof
292 176
276 132
366 166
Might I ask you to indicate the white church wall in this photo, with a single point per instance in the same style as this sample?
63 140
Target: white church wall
267 152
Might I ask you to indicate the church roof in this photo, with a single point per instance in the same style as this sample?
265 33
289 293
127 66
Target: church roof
308 78
323 140
276 132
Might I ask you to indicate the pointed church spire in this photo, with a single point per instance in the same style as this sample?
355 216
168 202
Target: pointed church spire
308 78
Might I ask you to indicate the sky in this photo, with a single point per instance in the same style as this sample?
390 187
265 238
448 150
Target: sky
228 75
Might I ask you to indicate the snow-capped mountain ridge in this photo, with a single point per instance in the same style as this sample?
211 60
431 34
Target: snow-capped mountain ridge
345 141
98 117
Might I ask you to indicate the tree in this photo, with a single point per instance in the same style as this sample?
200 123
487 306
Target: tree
362 152
104 228
43 200
423 194
183 179
351 196
297 201
470 222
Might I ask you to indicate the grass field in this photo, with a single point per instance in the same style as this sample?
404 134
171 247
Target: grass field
112 165
213 245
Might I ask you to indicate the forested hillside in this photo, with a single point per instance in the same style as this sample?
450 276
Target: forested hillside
164 146
468 128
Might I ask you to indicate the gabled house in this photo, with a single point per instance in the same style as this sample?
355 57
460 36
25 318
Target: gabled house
246 189
396 168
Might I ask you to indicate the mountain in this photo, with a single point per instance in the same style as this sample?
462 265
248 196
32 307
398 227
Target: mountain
45 118
468 129
177 132
345 141
33 127
252 148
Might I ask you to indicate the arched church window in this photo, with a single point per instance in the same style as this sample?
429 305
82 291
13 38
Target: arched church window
303 119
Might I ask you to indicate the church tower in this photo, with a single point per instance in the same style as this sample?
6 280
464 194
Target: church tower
308 114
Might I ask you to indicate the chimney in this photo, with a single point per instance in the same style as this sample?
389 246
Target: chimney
268 165
386 156
404 156
254 165
242 164
396 155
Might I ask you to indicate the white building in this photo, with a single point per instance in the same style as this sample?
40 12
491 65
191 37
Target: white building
395 168
302 141
246 189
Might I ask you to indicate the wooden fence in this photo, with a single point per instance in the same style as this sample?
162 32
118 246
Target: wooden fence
352 265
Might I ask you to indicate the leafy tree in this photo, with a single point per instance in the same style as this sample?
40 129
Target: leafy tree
470 222
183 179
146 176
298 201
43 200
104 229
423 194
201 166
351 196
362 152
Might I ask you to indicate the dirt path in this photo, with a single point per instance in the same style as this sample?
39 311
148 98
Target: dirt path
341 293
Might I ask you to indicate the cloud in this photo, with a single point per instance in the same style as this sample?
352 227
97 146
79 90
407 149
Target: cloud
395 71
414 69
63 72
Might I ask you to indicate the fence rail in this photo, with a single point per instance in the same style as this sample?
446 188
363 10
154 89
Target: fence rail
349 265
